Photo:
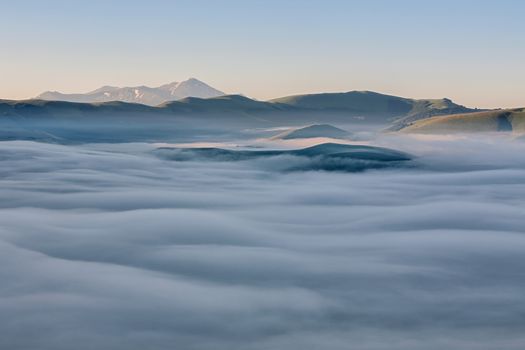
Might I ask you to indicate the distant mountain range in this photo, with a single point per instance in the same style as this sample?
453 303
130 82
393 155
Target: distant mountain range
151 96
193 95
352 107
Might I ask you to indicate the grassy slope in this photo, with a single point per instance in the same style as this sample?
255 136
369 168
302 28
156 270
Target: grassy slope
355 101
489 121
420 106
403 111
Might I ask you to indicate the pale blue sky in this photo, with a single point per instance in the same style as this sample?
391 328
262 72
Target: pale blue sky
470 51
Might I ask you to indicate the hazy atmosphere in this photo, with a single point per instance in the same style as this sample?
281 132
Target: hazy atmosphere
255 175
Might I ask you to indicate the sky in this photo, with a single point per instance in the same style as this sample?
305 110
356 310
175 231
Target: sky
470 51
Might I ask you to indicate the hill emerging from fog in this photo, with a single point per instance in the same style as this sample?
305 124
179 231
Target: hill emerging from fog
326 156
316 130
151 96
506 120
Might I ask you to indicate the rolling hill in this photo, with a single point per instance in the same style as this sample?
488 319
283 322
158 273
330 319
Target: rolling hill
355 101
506 120
398 110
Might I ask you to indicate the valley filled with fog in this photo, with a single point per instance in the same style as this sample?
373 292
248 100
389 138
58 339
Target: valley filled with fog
262 175
132 246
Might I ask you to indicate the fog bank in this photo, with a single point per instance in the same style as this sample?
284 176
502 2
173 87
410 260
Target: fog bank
112 247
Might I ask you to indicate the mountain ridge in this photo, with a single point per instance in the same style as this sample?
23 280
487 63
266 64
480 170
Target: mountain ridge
345 102
364 107
403 110
115 120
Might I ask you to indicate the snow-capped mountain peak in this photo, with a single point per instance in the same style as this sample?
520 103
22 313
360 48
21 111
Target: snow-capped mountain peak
139 94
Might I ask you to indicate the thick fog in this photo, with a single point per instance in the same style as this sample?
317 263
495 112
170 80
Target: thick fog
113 247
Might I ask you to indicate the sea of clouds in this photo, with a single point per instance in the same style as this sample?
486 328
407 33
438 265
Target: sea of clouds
112 247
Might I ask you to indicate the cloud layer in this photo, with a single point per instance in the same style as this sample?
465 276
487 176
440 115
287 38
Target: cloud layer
110 247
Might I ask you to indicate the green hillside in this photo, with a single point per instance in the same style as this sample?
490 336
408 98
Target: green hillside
353 101
506 120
